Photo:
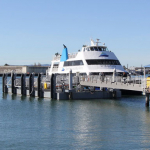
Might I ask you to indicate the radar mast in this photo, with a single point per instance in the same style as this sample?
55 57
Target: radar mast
97 41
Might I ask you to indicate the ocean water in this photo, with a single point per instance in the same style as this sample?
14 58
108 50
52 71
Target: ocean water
42 124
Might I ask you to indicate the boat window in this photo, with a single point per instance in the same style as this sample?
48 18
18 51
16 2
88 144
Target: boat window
56 64
66 63
92 48
73 63
99 48
95 48
81 62
69 63
102 62
113 62
117 62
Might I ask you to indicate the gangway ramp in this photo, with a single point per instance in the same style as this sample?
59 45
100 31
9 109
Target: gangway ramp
134 85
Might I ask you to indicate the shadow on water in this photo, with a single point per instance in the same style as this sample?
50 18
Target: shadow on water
147 109
31 99
125 101
40 100
14 96
4 96
23 97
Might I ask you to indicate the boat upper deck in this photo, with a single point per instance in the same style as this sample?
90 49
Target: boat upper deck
57 57
85 48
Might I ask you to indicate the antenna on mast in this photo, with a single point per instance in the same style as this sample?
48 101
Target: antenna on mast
97 42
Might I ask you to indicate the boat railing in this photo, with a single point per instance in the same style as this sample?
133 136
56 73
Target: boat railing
111 79
72 55
56 57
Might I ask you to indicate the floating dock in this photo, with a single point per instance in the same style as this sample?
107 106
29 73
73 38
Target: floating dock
55 87
69 86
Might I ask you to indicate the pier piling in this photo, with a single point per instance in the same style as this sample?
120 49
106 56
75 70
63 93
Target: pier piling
13 88
40 89
53 86
31 85
5 89
23 86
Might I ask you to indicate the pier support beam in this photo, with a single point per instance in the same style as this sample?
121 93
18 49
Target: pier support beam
147 100
13 88
5 89
23 84
40 89
31 85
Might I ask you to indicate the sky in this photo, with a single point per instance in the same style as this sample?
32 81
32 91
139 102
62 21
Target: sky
32 31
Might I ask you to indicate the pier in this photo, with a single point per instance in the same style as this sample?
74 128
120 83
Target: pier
54 87
70 86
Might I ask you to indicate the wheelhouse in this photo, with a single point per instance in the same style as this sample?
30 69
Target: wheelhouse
95 48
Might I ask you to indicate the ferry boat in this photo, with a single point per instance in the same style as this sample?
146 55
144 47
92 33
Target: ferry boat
91 60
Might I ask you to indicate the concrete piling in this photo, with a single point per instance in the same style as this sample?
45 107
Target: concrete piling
40 88
4 86
31 85
53 86
13 88
23 84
